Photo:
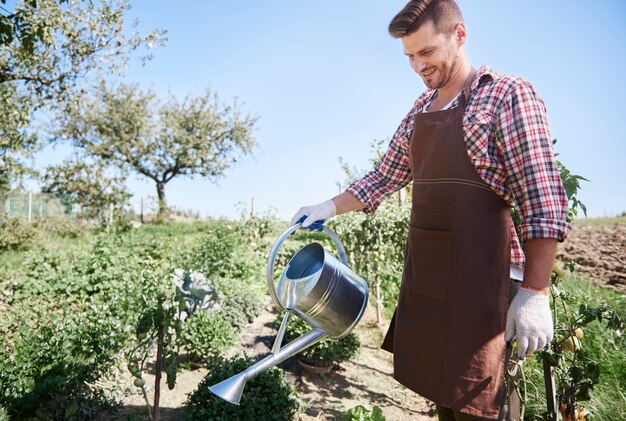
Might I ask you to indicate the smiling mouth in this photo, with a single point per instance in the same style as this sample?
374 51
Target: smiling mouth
428 73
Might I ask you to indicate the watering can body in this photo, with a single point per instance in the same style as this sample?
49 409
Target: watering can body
316 287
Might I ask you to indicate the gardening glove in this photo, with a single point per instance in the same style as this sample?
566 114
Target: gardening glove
529 320
312 217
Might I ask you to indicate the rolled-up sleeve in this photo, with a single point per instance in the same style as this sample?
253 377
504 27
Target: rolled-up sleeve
524 140
391 173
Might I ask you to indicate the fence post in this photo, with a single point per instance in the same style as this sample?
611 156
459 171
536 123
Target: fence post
30 206
7 207
110 214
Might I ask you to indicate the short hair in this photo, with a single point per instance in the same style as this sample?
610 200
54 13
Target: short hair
444 14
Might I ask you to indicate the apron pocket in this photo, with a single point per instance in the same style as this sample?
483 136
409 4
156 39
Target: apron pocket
427 266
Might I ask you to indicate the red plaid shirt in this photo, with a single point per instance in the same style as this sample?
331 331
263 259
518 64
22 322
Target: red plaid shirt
508 141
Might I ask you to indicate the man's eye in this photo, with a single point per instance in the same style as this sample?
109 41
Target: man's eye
427 52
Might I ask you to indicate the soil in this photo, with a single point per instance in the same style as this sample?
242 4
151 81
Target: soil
599 253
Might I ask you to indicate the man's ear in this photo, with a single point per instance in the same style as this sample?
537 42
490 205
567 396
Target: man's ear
460 33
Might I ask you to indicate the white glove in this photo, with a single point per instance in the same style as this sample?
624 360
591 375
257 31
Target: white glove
322 212
529 320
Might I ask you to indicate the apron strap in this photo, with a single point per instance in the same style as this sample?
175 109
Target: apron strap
467 85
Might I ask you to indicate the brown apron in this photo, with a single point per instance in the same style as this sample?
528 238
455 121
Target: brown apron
447 334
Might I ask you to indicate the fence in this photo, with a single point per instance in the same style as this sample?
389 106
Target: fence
29 205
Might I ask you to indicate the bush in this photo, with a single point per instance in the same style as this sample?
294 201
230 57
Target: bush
241 309
207 334
359 413
15 234
267 397
62 227
326 352
46 371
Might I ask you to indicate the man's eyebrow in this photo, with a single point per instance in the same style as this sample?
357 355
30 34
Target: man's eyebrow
423 50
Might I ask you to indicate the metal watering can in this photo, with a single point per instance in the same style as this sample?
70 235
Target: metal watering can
317 288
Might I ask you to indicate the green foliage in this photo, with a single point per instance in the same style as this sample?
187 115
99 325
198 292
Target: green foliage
45 47
159 323
15 234
375 246
47 369
207 334
226 258
61 227
360 413
241 309
15 143
325 353
159 140
592 373
49 300
267 397
87 184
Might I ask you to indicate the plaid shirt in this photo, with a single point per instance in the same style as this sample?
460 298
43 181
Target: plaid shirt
508 141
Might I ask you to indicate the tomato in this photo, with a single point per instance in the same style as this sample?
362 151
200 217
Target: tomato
570 344
579 333
558 270
139 382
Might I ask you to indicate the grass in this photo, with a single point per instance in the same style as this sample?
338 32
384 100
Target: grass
595 222
605 347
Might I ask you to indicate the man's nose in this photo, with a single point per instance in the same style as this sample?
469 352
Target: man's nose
418 65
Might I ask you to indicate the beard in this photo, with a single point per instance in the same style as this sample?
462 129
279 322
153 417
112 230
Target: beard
443 73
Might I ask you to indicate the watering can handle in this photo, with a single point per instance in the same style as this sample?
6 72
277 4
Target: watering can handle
343 257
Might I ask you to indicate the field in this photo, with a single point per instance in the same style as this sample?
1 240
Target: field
71 310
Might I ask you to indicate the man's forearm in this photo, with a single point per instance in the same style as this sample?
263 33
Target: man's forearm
346 202
540 253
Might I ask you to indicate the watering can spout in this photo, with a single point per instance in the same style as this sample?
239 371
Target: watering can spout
231 389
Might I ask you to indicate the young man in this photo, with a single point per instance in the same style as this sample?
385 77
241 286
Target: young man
475 144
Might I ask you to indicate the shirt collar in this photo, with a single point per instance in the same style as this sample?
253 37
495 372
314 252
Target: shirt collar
483 72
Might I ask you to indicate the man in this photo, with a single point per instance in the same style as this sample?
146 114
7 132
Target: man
475 144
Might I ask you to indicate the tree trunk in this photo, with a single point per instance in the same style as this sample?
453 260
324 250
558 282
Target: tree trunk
162 203
158 367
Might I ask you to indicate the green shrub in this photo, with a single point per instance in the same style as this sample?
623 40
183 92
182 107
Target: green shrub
15 234
48 370
62 227
241 309
207 334
3 414
326 352
359 413
267 397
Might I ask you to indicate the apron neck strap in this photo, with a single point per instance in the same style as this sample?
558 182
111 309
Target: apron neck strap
467 85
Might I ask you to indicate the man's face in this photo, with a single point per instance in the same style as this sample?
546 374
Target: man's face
432 55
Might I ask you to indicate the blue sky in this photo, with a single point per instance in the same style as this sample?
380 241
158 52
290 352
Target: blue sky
325 80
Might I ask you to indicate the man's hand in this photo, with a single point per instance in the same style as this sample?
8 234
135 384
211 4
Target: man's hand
320 212
530 321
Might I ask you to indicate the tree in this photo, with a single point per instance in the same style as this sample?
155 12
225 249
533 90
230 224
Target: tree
87 184
160 139
47 48
15 143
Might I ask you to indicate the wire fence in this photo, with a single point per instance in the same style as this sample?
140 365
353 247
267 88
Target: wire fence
29 205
